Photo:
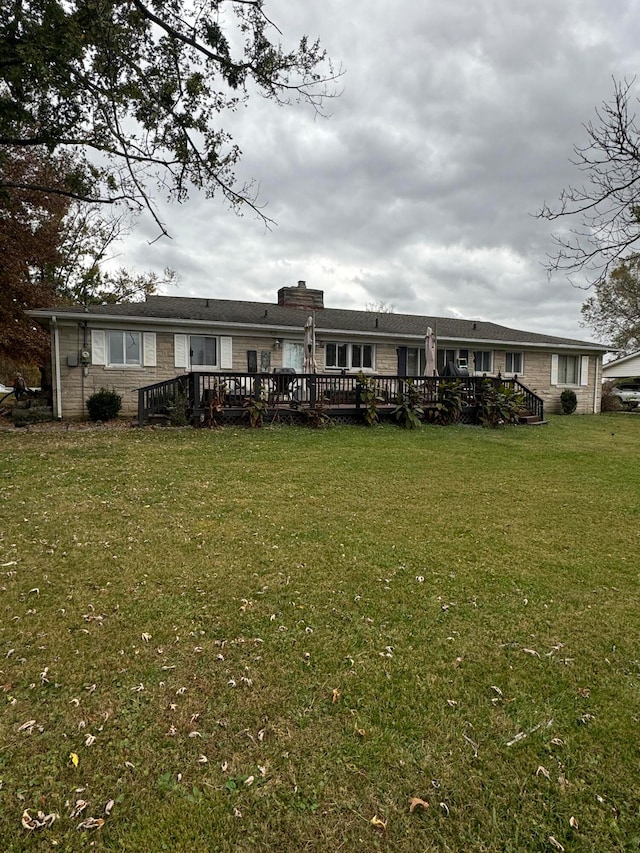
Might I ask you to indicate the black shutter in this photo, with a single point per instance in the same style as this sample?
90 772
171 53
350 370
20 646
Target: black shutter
402 361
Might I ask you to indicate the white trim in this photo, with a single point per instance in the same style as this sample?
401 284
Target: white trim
554 369
56 367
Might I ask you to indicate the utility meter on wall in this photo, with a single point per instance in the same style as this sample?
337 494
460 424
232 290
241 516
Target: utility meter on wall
85 356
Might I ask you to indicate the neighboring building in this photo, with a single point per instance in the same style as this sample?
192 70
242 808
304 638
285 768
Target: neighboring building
622 368
128 346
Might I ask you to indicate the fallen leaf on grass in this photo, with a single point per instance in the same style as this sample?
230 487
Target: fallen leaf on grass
555 843
41 821
79 807
378 823
91 823
531 652
27 727
417 802
544 772
249 780
573 823
335 695
108 807
90 740
74 759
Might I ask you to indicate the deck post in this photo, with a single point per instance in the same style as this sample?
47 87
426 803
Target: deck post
312 391
140 407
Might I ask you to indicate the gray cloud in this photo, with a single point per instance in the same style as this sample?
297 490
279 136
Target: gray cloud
455 124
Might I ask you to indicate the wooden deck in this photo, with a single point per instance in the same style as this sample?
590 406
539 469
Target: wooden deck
229 397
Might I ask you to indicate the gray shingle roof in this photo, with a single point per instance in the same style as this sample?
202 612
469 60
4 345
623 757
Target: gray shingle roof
181 308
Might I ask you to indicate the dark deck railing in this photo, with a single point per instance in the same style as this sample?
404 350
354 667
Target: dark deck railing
202 393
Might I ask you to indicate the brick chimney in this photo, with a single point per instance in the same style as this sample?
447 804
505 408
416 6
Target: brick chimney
300 297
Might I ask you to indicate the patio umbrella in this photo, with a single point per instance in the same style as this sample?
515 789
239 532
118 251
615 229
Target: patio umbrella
430 353
310 365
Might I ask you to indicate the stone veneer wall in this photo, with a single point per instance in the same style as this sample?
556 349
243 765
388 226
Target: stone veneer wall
126 381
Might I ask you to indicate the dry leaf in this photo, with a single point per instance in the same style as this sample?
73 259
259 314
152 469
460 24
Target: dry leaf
415 802
91 823
573 823
544 772
378 823
41 821
555 843
335 696
108 807
249 780
74 758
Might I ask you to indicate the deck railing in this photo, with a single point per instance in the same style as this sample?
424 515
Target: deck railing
201 391
163 397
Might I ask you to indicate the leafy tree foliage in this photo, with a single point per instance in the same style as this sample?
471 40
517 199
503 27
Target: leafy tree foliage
138 87
31 226
614 310
606 204
53 252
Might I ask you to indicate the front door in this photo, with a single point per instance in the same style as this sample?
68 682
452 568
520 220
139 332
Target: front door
293 355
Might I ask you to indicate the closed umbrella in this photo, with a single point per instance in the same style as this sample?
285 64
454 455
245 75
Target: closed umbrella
430 353
310 365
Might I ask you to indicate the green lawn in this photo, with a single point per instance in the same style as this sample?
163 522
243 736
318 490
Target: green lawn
263 640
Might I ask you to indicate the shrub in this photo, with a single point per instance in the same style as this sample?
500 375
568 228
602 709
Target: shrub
499 404
448 407
408 410
370 398
104 405
568 401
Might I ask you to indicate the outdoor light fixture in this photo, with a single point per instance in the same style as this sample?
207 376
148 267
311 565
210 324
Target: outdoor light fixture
276 344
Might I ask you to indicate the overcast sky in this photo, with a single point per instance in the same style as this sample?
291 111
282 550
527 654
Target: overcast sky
455 124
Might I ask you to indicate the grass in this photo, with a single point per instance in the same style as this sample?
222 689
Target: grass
261 640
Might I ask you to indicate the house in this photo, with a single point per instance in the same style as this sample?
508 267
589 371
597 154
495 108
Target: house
626 367
128 346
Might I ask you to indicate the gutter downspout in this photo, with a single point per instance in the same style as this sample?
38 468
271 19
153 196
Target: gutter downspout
597 360
56 367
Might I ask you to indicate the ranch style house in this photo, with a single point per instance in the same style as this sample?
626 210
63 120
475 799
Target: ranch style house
134 347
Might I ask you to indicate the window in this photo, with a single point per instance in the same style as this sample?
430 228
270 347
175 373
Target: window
568 370
415 361
362 356
513 362
483 361
124 348
204 351
349 356
457 357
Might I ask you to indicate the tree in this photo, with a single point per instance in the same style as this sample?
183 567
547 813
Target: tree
139 87
614 310
31 226
53 252
81 275
607 205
